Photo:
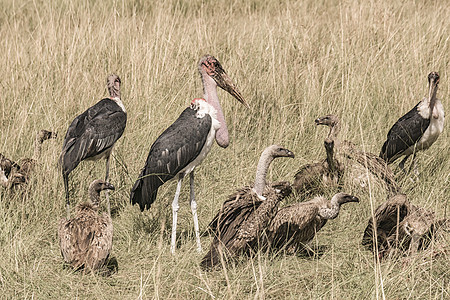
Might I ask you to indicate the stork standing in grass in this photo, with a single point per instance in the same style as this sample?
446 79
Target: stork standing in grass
184 145
416 130
92 135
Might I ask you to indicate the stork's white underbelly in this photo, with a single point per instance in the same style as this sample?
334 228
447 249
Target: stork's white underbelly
203 153
203 109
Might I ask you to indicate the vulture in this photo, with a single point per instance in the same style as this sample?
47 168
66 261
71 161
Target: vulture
295 225
8 173
86 239
240 222
356 164
314 178
13 174
417 130
27 165
400 225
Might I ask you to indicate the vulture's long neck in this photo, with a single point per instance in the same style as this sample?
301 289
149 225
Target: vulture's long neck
330 159
37 147
334 131
331 212
261 172
210 95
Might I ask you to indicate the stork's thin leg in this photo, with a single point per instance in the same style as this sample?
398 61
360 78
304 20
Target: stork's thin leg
108 206
414 165
66 189
175 208
194 212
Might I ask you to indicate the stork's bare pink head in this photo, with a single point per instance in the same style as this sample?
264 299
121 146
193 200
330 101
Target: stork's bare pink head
214 69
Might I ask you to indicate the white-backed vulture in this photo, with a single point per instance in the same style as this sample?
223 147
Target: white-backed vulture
13 174
358 166
27 165
295 225
245 214
400 225
314 178
86 239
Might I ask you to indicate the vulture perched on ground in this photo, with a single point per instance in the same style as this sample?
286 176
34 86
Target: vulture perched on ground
358 166
295 225
244 215
9 177
12 173
314 178
400 225
27 165
86 239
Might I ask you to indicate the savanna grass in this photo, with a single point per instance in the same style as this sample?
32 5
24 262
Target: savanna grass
293 61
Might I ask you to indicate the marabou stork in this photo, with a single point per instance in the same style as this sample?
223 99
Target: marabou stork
86 239
295 225
416 130
92 135
245 214
184 145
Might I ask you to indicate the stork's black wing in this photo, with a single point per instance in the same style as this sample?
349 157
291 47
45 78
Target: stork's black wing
405 133
172 151
91 133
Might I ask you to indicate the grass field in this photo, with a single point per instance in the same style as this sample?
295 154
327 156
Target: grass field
293 61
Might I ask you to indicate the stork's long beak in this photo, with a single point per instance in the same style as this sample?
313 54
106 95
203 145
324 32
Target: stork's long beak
224 81
433 87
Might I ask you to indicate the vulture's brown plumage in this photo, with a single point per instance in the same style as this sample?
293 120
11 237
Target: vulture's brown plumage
356 164
295 225
86 239
400 225
27 165
9 175
244 215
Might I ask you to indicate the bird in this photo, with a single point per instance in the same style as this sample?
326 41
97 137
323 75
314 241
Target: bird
417 130
295 225
400 225
8 169
93 134
316 177
186 143
27 165
86 239
13 174
358 166
246 213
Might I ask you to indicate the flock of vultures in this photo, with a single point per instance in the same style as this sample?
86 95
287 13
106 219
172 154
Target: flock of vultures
249 220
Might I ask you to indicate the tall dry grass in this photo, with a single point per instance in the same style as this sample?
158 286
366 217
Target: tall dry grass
366 61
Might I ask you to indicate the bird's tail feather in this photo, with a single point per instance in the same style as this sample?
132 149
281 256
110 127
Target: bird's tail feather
212 258
142 193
